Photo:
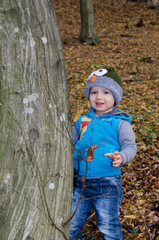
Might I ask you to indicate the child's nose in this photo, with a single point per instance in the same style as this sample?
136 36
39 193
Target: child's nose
99 95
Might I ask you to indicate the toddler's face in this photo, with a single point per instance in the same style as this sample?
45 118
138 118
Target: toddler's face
101 100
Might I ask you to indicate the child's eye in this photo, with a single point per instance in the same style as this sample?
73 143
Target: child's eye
93 92
106 92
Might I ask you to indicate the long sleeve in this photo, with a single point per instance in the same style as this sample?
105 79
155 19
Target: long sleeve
75 134
126 141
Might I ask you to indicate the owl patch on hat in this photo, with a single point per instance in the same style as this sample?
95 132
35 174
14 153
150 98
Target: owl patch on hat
99 72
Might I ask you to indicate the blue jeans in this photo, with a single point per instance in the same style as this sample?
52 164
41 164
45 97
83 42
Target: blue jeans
104 195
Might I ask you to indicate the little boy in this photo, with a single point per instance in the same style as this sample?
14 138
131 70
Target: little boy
104 140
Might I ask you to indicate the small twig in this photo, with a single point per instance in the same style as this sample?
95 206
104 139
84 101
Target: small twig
144 223
83 187
83 179
49 216
150 157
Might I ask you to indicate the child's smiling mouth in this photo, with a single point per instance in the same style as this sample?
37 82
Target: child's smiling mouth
99 103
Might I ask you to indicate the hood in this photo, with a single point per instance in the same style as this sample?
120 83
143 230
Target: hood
115 113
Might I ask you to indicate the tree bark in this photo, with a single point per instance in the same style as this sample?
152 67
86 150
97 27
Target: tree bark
88 33
36 167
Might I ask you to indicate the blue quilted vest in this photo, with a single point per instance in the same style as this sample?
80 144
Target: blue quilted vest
102 131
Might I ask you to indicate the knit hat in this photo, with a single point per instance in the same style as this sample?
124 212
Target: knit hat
106 78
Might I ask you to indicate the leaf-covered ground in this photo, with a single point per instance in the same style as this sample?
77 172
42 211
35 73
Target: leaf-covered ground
134 51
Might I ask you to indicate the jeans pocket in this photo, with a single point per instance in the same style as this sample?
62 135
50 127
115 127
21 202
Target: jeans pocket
112 187
116 182
106 191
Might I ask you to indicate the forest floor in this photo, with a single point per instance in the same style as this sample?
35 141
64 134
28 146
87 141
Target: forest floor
134 51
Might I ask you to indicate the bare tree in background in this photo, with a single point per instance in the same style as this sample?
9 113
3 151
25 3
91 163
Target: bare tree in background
88 33
35 122
154 4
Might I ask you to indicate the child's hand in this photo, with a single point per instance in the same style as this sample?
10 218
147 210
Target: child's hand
116 157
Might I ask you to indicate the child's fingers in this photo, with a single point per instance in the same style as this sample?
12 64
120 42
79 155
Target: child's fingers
116 157
116 152
116 163
113 156
109 155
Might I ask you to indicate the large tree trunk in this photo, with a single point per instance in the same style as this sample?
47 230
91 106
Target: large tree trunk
88 34
35 146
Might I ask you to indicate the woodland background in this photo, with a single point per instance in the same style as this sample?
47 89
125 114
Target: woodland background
129 35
